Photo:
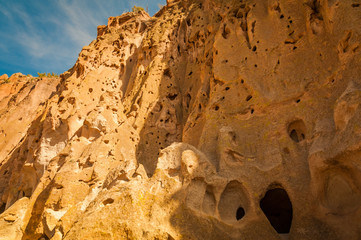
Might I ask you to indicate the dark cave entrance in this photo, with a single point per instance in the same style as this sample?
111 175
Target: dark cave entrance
277 207
240 213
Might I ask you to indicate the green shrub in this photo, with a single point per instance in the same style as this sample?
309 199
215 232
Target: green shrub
49 75
137 9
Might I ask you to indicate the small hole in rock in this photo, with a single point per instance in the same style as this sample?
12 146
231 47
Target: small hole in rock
254 48
60 99
167 73
297 130
249 97
227 88
172 96
298 100
108 201
90 90
240 213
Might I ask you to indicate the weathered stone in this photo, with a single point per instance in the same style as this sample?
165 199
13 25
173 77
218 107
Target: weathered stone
4 77
211 120
12 219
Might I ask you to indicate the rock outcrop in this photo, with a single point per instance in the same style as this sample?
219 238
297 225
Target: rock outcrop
211 120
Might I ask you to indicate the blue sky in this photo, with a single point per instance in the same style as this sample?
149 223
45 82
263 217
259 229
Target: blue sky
47 35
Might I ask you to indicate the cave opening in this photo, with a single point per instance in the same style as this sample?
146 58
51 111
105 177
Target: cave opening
277 207
240 213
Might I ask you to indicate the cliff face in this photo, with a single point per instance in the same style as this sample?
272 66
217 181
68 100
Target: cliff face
211 120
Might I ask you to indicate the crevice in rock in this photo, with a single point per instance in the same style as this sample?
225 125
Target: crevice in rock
226 32
2 208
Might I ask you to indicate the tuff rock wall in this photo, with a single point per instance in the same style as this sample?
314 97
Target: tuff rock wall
211 120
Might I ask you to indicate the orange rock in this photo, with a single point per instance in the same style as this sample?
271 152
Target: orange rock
211 120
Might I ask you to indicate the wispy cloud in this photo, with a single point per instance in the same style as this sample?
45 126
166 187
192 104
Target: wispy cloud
27 35
48 35
71 21
79 21
33 37
4 12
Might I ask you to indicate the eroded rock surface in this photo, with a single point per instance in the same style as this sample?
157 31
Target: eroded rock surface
211 120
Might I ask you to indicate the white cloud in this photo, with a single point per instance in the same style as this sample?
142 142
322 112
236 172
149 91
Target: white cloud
32 36
80 20
53 36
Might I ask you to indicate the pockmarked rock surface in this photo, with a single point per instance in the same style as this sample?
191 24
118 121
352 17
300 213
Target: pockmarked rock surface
210 120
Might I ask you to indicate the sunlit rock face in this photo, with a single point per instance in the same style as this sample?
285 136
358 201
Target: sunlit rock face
211 120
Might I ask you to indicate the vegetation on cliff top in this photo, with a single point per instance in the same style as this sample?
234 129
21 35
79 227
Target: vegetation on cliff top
48 75
137 9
